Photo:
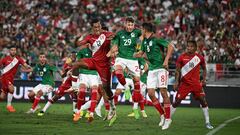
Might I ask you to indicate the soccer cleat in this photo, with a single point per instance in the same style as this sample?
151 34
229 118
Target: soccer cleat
41 113
162 119
131 114
136 113
144 115
209 126
30 111
111 113
112 120
10 108
166 124
82 113
76 117
87 115
127 93
106 115
90 118
98 112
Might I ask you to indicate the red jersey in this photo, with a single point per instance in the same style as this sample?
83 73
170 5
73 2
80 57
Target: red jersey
190 67
100 46
10 66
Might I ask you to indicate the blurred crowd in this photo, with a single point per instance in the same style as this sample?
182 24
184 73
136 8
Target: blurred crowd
53 26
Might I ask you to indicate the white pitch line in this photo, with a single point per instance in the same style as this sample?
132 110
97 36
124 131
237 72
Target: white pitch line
222 125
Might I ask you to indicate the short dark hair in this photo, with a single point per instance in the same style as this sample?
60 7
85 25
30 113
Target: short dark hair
42 53
12 46
130 19
94 20
149 27
193 42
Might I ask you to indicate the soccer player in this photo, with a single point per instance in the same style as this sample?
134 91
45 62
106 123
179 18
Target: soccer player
87 79
125 44
99 43
66 84
188 79
45 71
9 65
158 70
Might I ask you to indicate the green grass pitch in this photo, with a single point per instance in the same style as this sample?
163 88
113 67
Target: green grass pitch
58 121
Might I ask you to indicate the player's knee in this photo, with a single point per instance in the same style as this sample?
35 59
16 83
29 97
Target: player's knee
31 94
118 91
11 89
39 93
75 72
83 87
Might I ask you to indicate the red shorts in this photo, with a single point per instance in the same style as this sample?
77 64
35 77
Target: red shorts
5 82
67 84
102 69
185 89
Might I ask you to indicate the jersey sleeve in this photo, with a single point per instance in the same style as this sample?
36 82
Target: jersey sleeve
21 61
163 42
202 63
179 61
53 68
138 32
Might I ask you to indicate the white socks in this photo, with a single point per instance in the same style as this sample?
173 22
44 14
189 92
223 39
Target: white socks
9 99
206 114
46 106
135 105
172 110
86 105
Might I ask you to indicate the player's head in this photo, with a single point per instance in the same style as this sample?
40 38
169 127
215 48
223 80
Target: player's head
12 50
129 24
147 28
42 58
96 26
191 46
73 55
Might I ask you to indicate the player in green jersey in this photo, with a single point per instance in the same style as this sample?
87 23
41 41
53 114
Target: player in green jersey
158 70
45 71
124 44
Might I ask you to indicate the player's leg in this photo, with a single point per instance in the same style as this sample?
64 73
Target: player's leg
119 66
37 98
151 86
80 101
10 108
58 94
200 96
142 100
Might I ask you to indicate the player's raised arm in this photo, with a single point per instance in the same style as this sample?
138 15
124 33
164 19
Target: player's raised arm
170 50
177 77
114 46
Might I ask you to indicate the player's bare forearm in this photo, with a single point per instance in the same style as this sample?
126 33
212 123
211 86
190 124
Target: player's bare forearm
177 79
113 51
169 54
26 68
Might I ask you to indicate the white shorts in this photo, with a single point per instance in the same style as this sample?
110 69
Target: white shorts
89 80
129 82
45 89
157 78
132 65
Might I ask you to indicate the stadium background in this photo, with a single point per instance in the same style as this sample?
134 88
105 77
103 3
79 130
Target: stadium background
53 26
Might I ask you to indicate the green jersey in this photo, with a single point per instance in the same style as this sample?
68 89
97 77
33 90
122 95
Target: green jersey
127 43
153 47
86 53
142 63
46 73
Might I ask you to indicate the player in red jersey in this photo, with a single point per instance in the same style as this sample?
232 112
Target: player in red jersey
99 43
9 66
188 68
